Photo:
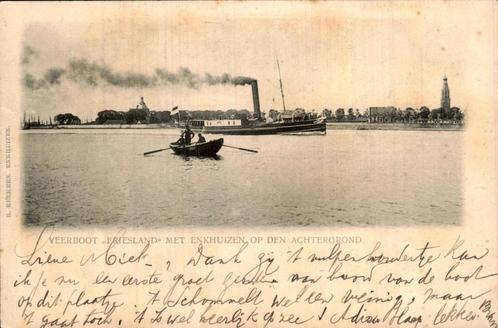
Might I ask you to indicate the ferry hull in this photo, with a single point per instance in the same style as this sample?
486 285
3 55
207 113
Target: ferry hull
269 128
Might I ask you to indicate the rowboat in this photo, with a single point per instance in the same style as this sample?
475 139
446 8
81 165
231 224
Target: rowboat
203 149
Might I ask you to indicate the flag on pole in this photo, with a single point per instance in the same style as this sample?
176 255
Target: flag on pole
175 110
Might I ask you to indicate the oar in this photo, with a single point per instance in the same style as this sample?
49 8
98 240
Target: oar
155 151
245 149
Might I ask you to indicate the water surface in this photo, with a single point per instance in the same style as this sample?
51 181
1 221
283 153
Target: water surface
100 177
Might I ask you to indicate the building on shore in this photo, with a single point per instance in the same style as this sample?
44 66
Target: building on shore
381 114
140 114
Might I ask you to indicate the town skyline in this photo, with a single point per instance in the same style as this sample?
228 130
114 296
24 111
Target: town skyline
333 57
337 114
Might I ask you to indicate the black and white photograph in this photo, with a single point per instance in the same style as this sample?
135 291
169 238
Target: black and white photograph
244 120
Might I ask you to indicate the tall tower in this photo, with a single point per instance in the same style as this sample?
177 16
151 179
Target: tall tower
145 108
445 96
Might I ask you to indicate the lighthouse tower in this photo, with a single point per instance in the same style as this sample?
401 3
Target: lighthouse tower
445 96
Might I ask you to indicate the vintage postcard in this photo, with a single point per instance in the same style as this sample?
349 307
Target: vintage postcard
249 164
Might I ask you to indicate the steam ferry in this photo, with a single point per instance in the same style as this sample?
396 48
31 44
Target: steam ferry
286 124
250 127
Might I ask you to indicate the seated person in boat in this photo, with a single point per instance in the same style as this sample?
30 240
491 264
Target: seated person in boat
201 138
180 141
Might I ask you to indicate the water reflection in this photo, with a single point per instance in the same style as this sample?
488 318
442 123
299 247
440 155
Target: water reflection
199 158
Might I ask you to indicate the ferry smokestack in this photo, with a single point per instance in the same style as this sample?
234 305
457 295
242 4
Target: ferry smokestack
255 98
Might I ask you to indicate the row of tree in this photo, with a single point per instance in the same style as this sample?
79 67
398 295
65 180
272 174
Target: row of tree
395 115
137 115
67 119
133 116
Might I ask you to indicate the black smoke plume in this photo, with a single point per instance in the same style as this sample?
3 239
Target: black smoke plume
27 54
92 74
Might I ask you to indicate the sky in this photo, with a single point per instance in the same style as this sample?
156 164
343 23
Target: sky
331 55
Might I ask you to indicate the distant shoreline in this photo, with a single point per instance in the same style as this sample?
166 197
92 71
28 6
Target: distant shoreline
394 126
103 126
330 126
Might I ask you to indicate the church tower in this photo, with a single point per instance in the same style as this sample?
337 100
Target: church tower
445 96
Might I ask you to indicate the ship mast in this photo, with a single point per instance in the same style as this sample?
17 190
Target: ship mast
281 87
